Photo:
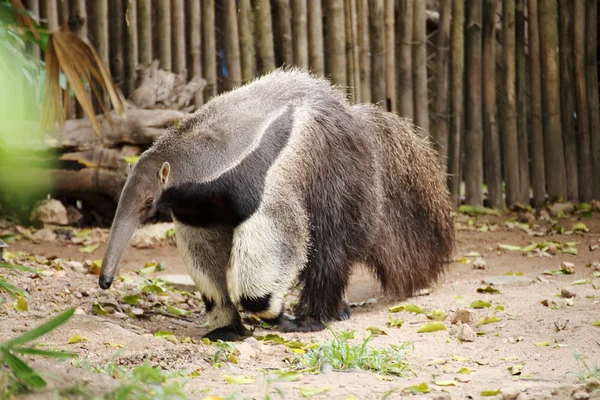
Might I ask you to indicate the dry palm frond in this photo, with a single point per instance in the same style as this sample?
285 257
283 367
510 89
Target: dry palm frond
80 63
22 18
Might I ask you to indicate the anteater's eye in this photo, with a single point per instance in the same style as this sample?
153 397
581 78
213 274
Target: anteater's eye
149 203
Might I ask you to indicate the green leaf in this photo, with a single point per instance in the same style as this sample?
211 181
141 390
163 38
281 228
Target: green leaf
12 290
177 311
408 308
416 389
21 304
40 330
23 371
76 339
163 334
569 250
288 376
89 248
488 289
98 309
131 300
459 358
238 379
515 369
43 353
580 227
499 308
376 331
169 233
480 304
83 233
22 268
437 315
491 392
450 382
464 370
473 210
488 320
542 344
509 247
431 327
308 392
581 282
597 323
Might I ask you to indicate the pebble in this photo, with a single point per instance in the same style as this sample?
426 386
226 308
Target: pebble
463 315
252 341
580 394
566 293
79 311
137 311
326 369
466 334
512 280
479 263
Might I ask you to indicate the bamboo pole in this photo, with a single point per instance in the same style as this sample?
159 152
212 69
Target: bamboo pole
100 15
78 11
335 52
264 36
316 58
491 141
553 144
538 172
404 39
355 50
232 46
522 107
457 98
63 12
567 94
131 46
473 107
178 35
246 41
209 59
364 51
145 32
300 33
283 36
583 125
50 13
352 90
164 34
116 44
194 62
419 53
509 130
390 61
592 82
377 41
442 84
32 48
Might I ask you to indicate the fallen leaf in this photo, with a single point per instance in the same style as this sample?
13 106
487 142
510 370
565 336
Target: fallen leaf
76 339
463 260
480 304
581 282
491 392
177 311
450 382
464 370
488 289
541 344
89 248
580 227
376 331
437 315
408 308
21 304
131 300
416 389
488 320
288 376
499 308
597 323
509 247
98 309
459 358
308 392
431 327
238 379
395 323
570 250
163 334
515 369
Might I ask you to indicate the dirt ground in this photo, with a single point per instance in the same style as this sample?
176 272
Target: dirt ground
529 353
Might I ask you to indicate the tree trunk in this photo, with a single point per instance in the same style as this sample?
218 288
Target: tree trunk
364 46
164 34
522 107
63 12
131 46
390 61
592 82
491 145
335 34
457 90
355 49
209 53
441 96
510 134
178 35
419 54
264 37
473 108
145 32
232 46
116 43
316 53
350 71
300 33
50 12
246 41
194 39
553 144
568 97
376 39
100 15
538 173
80 28
404 38
283 39
32 48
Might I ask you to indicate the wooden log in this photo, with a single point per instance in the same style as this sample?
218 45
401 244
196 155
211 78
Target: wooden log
263 29
209 59
145 32
283 36
404 38
248 56
377 41
522 106
419 65
194 38
178 36
131 47
164 34
390 60
336 41
316 57
364 49
232 46
441 97
299 25
592 82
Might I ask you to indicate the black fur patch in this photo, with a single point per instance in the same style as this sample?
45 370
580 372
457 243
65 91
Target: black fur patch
305 324
256 304
233 332
208 303
234 196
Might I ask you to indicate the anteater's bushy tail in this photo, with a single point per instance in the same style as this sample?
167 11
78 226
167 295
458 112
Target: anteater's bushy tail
416 237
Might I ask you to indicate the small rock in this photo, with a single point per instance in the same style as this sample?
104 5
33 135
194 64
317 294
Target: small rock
595 266
567 267
50 212
180 282
76 266
463 315
73 215
326 368
137 311
580 394
596 205
545 216
119 314
552 249
566 208
252 341
566 293
529 218
44 235
513 280
510 394
78 295
466 334
464 378
79 311
246 350
479 263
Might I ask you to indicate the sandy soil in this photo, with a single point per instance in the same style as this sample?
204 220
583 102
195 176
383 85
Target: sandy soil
545 371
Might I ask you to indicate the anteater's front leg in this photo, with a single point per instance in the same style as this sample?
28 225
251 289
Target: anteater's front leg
206 254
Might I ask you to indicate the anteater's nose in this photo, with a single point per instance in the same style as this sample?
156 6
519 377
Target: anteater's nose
105 281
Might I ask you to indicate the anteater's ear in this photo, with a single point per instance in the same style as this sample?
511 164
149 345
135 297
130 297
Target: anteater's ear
164 173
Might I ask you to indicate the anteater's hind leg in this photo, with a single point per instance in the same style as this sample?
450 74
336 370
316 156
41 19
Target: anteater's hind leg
269 250
206 255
